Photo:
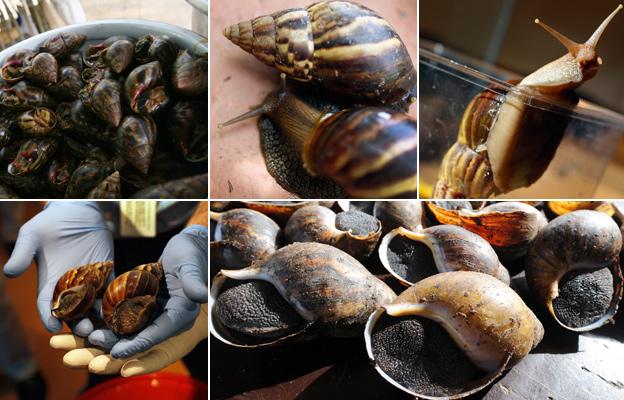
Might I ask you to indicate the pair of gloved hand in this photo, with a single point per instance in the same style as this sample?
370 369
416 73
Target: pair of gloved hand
68 234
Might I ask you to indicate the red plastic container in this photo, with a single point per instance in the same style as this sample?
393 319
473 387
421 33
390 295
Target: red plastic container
158 386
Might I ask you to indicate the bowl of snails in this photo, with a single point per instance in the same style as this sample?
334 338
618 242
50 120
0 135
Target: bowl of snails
105 109
521 136
333 113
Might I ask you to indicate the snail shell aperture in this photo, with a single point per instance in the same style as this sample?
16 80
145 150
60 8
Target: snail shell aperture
354 232
578 254
330 290
485 318
453 249
76 290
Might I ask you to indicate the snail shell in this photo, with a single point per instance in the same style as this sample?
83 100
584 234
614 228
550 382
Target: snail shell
243 236
76 290
514 135
130 300
393 214
332 292
585 241
371 152
42 68
564 207
453 249
280 212
38 121
509 226
350 232
482 315
344 47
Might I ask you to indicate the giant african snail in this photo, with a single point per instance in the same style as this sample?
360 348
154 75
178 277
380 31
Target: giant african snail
503 143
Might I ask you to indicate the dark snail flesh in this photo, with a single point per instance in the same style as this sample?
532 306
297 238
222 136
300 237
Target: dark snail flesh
508 137
76 290
343 47
451 335
574 269
332 293
353 232
368 151
129 302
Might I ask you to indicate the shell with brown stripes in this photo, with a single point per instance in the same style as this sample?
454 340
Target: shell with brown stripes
76 290
509 135
344 47
129 302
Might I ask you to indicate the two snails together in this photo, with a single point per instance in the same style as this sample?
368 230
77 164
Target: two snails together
129 302
364 143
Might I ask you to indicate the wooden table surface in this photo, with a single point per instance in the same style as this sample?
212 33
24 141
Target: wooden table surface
238 81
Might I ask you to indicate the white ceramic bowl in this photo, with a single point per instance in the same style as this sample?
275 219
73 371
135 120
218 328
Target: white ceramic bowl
97 31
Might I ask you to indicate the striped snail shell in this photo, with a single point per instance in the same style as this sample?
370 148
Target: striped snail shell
130 300
76 290
508 136
344 47
371 152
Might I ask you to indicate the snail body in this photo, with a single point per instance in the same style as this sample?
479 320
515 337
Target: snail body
320 224
344 47
368 151
453 249
330 290
485 318
585 242
130 299
76 290
507 138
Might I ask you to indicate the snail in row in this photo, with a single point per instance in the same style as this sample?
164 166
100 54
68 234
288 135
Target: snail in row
356 142
574 269
453 249
475 323
301 290
507 137
354 232
129 302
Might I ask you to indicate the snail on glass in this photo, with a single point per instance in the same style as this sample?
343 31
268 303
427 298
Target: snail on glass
367 151
453 249
303 289
242 236
393 214
76 290
130 299
345 48
509 226
450 335
353 232
574 268
508 137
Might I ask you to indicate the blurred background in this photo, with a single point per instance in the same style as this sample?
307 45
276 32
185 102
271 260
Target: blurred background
502 33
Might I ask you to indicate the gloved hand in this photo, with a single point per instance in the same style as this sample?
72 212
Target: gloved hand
154 359
62 236
185 262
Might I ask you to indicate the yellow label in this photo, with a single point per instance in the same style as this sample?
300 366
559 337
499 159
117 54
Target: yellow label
137 218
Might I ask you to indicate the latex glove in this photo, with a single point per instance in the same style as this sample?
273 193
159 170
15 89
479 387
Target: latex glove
185 262
62 236
154 359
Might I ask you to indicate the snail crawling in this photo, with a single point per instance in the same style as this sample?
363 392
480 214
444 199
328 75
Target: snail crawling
356 141
507 140
302 289
453 249
76 290
450 335
129 302
353 232
574 268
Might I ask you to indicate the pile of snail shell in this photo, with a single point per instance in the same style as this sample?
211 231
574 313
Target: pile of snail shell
456 323
337 126
129 301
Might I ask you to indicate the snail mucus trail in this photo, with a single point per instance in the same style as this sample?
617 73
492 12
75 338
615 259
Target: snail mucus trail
507 140
351 53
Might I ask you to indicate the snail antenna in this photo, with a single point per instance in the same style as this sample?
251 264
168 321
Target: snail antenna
569 44
595 37
259 110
